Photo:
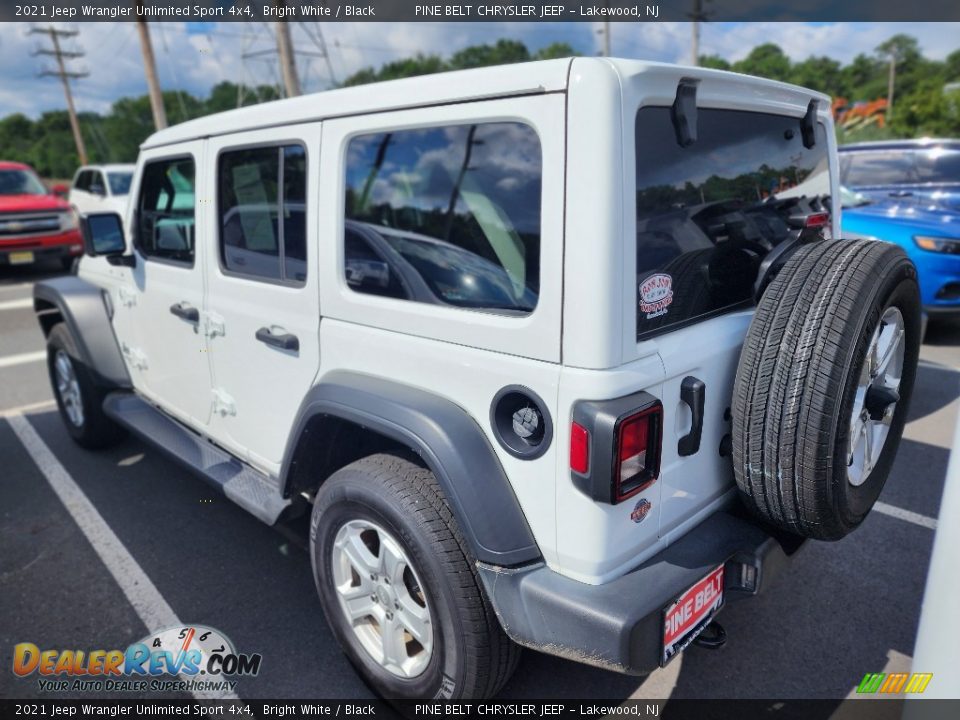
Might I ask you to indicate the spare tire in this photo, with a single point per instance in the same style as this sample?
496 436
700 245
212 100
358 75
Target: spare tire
824 384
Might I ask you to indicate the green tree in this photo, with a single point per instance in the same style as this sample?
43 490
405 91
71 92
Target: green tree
952 66
900 50
713 61
554 50
820 73
766 60
502 53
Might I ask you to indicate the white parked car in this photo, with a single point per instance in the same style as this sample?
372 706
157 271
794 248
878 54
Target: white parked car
549 352
101 188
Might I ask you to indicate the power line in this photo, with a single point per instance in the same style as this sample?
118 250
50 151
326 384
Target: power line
65 76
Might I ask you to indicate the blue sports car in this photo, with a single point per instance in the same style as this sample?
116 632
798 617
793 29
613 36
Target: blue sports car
930 236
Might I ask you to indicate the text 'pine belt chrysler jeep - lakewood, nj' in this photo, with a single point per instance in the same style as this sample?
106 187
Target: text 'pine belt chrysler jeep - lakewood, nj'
558 355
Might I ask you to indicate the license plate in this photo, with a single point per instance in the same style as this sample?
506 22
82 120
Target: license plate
20 258
691 613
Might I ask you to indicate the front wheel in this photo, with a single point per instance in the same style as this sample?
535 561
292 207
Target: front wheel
399 588
78 397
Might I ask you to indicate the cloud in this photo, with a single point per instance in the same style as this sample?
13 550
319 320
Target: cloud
195 56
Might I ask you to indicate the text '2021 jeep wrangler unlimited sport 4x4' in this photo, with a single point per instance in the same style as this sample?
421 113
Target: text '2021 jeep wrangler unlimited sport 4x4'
521 336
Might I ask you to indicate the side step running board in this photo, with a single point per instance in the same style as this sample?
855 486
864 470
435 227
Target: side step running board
255 492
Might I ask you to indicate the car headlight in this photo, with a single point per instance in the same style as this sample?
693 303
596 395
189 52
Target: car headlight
69 220
937 244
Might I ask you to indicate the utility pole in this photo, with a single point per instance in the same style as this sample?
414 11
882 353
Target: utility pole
697 16
65 77
150 68
605 31
288 63
890 81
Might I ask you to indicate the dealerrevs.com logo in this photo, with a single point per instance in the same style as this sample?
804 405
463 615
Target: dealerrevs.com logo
202 657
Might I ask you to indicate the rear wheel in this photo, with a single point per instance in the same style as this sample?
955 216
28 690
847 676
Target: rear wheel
399 588
824 384
78 397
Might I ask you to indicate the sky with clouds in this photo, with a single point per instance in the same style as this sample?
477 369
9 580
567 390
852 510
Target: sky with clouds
196 56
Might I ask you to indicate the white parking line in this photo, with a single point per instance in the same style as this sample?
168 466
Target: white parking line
32 407
16 304
23 358
908 515
143 595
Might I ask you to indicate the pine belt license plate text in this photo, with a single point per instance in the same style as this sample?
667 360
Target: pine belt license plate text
691 613
20 258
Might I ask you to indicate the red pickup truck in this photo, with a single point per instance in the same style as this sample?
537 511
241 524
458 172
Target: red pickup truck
34 223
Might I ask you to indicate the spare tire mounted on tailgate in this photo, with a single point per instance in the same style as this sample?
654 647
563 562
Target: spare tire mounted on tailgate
823 385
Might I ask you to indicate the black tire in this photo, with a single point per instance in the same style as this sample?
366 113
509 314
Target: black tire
94 429
67 263
797 381
472 656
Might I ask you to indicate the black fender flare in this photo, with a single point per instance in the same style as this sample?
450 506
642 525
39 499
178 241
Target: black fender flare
451 444
82 307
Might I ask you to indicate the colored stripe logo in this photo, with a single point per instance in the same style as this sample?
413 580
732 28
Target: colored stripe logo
893 683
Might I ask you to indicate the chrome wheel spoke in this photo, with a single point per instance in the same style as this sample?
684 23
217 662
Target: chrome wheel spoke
416 620
874 404
373 576
392 562
394 644
361 559
68 388
359 606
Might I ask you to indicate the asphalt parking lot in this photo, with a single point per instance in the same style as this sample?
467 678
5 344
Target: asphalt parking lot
844 609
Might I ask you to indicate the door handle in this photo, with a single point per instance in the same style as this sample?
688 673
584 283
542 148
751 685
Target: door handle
284 341
692 392
184 311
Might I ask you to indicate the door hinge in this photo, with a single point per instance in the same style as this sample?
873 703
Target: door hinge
127 297
213 325
135 356
223 404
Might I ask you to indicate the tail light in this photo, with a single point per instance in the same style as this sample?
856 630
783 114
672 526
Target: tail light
816 220
579 449
638 439
615 446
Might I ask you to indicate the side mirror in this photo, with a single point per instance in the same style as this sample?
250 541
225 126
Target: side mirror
60 190
98 190
103 235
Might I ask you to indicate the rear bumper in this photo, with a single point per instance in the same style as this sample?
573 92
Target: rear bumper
619 625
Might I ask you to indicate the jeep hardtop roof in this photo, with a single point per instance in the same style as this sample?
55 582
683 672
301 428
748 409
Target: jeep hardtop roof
542 76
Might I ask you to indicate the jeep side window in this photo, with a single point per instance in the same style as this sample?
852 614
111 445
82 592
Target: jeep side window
83 181
707 214
165 210
455 212
262 206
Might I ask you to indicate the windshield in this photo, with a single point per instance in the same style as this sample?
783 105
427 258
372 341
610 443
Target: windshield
707 214
851 198
119 182
20 182
864 168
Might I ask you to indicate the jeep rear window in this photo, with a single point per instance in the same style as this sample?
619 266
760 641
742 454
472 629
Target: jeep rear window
450 214
707 214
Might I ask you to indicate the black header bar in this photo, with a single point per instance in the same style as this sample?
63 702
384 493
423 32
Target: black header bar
620 11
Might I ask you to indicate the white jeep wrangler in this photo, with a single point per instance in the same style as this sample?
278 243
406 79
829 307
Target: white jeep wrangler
558 355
